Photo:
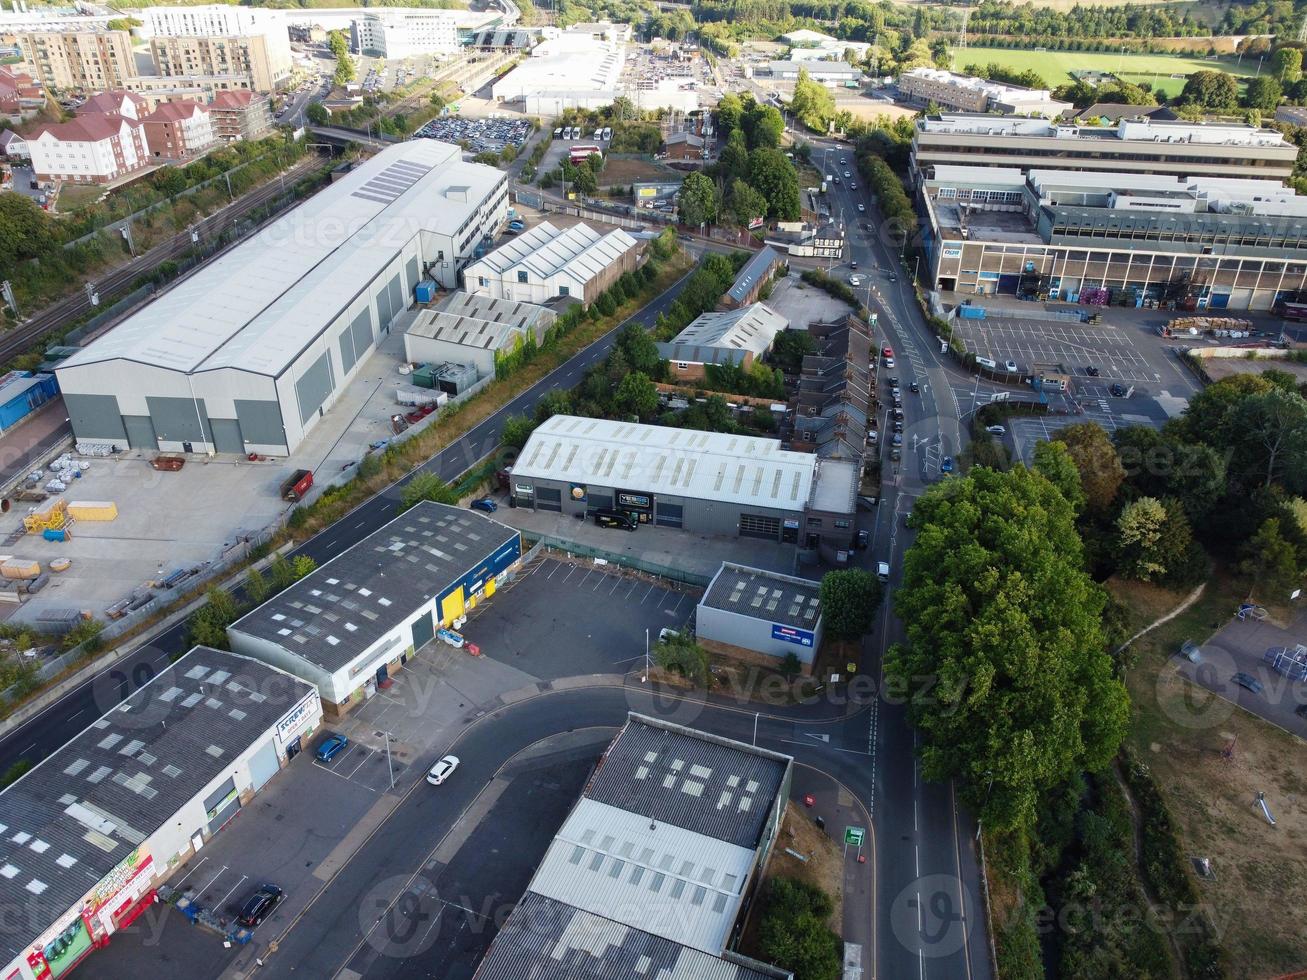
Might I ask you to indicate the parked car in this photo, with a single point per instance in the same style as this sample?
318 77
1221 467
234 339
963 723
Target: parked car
995 430
893 382
898 426
889 352
1011 367
914 388
667 633
1118 391
1301 711
882 571
895 454
889 362
260 905
862 540
486 504
893 278
862 208
331 747
946 464
1247 682
1091 371
896 439
898 413
442 770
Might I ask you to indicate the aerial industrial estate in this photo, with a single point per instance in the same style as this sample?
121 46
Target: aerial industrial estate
491 493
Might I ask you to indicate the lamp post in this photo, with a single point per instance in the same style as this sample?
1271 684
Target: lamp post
646 656
387 736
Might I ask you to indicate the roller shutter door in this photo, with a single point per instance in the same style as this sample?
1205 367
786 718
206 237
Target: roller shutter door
140 432
757 526
548 499
423 631
227 435
313 386
361 329
347 356
410 275
451 607
263 765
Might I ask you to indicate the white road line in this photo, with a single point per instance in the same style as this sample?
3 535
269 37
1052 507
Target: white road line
191 872
219 903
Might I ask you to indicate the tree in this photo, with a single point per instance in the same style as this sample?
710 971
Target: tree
1053 460
790 348
729 113
699 202
765 126
256 586
813 104
746 203
208 625
317 114
1161 465
640 350
849 600
681 655
1286 65
1263 93
1095 457
775 178
345 71
425 485
1139 534
556 401
1004 664
1271 562
1211 90
637 395
792 930
1273 438
24 230
623 109
517 430
733 161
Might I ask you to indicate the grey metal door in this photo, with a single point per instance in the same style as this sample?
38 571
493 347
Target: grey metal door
423 631
263 765
227 435
140 432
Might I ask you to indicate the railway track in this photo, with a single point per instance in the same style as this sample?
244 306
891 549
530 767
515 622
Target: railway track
28 333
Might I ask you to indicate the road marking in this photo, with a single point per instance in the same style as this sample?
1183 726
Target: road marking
221 872
191 872
219 903
819 738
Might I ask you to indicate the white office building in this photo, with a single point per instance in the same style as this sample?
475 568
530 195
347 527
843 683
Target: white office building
399 32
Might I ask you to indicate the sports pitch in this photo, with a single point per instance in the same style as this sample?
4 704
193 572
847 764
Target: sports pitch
1055 66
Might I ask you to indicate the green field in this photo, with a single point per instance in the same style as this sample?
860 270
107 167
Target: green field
1055 65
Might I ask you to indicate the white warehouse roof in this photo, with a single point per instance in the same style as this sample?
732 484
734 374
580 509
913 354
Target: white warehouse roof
715 466
578 252
751 328
256 307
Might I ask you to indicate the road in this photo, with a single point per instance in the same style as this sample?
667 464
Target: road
41 735
926 850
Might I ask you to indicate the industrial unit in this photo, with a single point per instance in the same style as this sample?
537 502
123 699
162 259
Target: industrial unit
246 354
352 622
970 94
469 328
738 337
706 482
96 826
762 266
753 614
547 261
652 870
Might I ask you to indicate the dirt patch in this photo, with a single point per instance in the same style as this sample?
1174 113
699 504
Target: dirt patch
620 170
1211 760
1226 367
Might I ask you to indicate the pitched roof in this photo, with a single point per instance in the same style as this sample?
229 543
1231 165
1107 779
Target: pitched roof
86 129
231 100
751 328
175 111
579 252
109 102
758 266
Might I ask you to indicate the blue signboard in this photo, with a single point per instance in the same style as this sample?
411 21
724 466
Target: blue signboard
791 635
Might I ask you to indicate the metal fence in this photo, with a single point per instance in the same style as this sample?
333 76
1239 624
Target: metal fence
545 543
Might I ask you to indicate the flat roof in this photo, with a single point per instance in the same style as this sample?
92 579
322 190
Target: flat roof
702 783
763 595
719 466
70 821
547 939
333 615
759 264
256 307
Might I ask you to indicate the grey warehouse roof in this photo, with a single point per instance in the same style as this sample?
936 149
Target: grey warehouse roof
546 939
700 783
256 307
694 354
758 266
339 611
750 328
69 822
716 466
764 595
475 320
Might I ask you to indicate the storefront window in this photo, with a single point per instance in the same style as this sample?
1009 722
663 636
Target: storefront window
67 948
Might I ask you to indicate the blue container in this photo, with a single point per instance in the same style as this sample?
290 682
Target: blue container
425 291
53 534
972 312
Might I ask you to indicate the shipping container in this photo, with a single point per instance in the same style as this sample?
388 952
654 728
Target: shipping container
971 312
93 510
170 464
425 291
295 486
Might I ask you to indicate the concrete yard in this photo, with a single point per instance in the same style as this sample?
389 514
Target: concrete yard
802 304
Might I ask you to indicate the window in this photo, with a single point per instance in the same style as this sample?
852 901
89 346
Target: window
482 281
814 522
564 291
842 524
521 277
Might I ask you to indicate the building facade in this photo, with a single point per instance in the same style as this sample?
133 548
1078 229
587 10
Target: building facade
398 32
178 131
90 149
740 337
829 73
248 353
356 620
264 60
240 116
93 60
546 261
965 93
753 614
102 821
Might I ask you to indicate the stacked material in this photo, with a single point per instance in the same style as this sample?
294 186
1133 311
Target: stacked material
61 564
95 448
55 516
93 510
16 568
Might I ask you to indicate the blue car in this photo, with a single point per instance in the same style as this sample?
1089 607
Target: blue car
946 464
486 504
331 747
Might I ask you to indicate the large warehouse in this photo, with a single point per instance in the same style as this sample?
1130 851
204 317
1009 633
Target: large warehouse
358 618
247 353
91 832
707 482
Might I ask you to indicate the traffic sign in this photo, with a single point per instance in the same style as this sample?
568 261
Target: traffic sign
854 836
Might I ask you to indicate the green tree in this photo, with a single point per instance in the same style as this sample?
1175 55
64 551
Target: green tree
345 71
1286 65
256 586
517 430
1004 663
425 485
773 176
208 624
1139 530
24 230
849 600
636 395
699 201
729 114
1211 90
766 125
746 203
681 655
1263 93
1160 464
813 104
1272 563
1053 460
1272 443
733 161
640 350
556 401
792 930
790 348
1101 473
623 109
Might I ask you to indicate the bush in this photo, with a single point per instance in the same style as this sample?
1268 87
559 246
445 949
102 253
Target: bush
792 930
425 485
681 655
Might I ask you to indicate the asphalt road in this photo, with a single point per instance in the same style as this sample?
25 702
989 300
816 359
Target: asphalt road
47 731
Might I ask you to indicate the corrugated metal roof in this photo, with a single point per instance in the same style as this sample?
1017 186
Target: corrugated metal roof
762 262
694 354
647 874
69 822
751 328
257 306
333 615
549 940
714 787
660 460
578 252
764 595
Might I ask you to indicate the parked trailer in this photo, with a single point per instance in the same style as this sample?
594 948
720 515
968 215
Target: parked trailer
295 486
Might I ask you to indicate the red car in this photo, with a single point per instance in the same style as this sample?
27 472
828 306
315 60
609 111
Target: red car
887 352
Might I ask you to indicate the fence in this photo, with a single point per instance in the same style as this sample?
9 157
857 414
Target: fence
545 543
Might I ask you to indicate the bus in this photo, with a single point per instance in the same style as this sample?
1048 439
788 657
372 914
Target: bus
579 154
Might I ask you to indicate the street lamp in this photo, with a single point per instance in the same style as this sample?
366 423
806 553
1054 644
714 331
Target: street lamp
388 736
646 656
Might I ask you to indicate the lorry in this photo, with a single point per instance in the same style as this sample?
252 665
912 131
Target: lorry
823 187
295 486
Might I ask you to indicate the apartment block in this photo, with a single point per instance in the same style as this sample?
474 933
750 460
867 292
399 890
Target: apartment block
95 60
240 116
96 148
178 131
258 56
950 90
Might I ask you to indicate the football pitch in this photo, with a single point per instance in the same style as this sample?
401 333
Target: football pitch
1055 66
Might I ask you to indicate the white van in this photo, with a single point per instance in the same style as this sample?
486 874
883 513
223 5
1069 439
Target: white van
985 362
882 571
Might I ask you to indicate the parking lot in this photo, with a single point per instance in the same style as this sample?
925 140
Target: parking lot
479 135
1239 648
1074 346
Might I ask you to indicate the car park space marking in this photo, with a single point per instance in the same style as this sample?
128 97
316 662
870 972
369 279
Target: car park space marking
222 901
192 871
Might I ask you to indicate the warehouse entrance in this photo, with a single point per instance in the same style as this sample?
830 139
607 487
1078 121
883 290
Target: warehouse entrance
757 526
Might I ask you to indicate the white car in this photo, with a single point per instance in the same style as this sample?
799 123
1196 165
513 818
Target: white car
882 571
1011 367
862 208
995 430
667 633
442 770
855 280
